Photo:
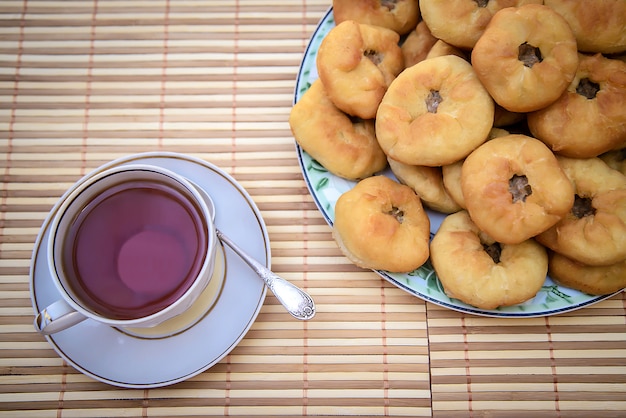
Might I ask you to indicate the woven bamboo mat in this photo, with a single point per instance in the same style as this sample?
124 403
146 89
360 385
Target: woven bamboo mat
84 82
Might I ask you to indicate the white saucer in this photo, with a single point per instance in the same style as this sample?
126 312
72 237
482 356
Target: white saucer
118 358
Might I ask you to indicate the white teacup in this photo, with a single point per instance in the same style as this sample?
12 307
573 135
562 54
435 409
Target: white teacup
131 247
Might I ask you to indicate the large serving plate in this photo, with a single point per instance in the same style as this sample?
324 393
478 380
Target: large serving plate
326 188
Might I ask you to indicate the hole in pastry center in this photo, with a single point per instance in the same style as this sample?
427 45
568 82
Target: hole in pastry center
373 56
397 213
582 207
519 188
433 101
529 54
587 88
494 250
389 4
481 3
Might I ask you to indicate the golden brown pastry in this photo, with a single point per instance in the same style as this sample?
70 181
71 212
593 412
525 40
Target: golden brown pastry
594 231
503 118
441 48
381 224
599 25
427 182
615 159
482 272
347 147
593 280
526 57
398 15
417 44
452 172
514 188
434 113
462 22
356 63
589 118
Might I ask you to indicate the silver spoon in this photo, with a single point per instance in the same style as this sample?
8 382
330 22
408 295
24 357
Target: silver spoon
297 302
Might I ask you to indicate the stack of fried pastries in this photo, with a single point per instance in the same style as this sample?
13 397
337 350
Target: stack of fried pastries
506 116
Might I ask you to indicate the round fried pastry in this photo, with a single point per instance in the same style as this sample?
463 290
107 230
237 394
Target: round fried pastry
593 280
452 172
427 182
400 16
599 26
615 159
381 224
482 272
417 44
441 48
526 57
503 118
593 232
588 119
514 188
357 63
347 147
434 113
462 22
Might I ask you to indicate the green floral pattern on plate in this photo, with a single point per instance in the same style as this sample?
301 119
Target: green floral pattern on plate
423 282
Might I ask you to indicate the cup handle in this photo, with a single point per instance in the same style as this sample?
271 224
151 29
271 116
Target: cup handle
57 317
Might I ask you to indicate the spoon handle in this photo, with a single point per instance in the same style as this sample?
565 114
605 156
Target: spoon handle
297 302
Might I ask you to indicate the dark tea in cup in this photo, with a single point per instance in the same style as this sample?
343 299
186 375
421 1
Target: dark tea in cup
130 246
134 249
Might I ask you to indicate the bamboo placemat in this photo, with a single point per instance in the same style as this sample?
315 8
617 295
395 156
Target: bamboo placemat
84 82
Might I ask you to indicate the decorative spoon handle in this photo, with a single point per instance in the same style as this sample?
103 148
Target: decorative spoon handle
297 302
